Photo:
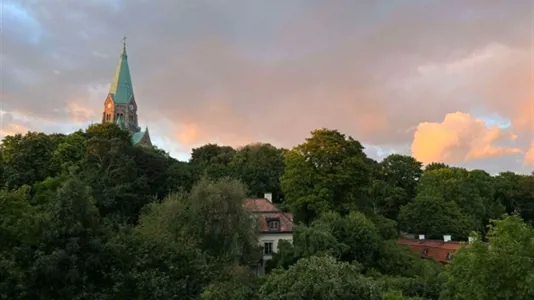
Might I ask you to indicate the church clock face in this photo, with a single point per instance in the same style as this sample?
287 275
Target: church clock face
109 105
132 107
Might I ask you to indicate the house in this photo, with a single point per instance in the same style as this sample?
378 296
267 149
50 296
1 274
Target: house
274 225
438 250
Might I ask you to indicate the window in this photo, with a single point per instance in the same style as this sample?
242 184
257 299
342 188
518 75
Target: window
273 224
268 248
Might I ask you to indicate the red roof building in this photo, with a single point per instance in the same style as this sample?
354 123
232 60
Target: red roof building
274 224
437 250
271 219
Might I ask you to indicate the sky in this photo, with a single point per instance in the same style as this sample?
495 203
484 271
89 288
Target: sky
447 81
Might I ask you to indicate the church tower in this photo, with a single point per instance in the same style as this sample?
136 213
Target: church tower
120 106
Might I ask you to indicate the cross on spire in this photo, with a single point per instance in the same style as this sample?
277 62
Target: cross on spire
124 40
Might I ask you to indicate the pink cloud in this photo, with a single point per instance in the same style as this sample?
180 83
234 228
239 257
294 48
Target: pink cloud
459 138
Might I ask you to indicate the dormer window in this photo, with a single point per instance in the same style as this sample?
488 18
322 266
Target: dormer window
273 224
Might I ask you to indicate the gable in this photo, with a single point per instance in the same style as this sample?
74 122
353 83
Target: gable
141 138
266 211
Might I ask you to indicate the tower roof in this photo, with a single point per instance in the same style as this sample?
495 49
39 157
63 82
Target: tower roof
121 87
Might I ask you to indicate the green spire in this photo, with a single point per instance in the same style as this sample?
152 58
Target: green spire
121 87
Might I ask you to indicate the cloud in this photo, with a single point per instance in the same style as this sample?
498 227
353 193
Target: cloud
10 125
529 156
243 71
79 113
460 138
12 129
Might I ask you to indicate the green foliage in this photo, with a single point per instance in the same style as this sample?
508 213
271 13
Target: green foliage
502 269
90 216
398 295
329 172
69 260
16 224
212 161
434 217
152 267
212 217
70 151
238 283
319 278
515 192
400 175
27 159
259 167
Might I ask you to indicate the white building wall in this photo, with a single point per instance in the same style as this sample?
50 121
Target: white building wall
275 238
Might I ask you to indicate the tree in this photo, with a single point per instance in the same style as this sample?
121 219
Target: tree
70 151
212 217
212 161
515 192
181 176
239 283
69 259
501 270
319 278
107 131
27 159
350 238
117 184
462 187
434 217
155 267
402 171
385 199
328 172
159 170
398 295
15 218
436 166
395 186
259 166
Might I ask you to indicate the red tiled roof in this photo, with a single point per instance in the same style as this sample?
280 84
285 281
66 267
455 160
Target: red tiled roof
436 249
264 209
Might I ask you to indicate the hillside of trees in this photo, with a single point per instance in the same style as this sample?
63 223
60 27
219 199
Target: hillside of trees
90 216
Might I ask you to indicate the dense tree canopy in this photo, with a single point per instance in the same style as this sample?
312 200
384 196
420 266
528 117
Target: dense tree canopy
329 172
502 269
91 216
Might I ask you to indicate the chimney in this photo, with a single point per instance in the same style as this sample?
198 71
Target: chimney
421 237
268 196
446 238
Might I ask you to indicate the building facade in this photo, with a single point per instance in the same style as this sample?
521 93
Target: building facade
120 106
274 226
